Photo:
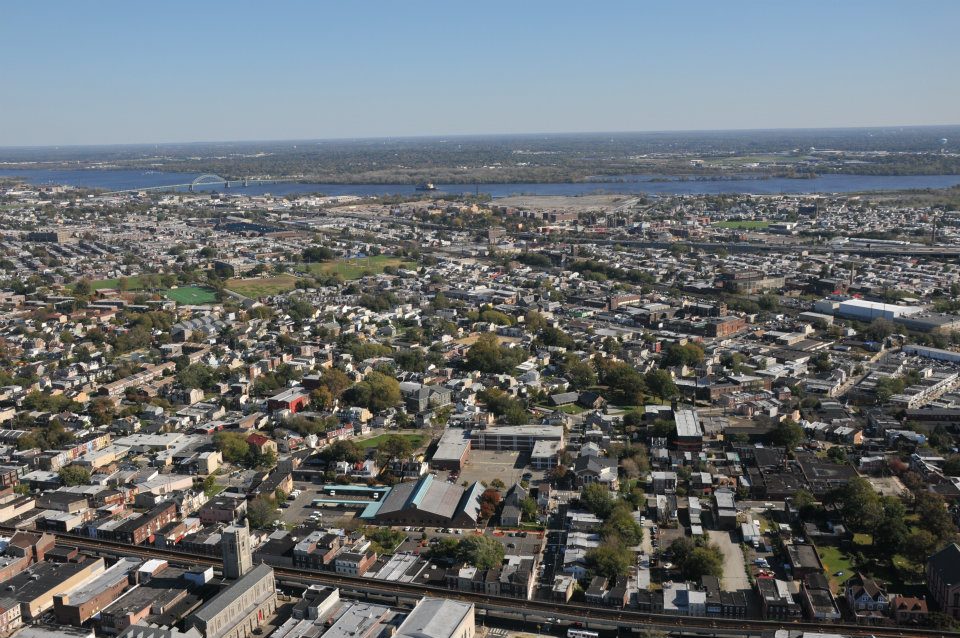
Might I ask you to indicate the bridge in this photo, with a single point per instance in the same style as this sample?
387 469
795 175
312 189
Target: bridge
207 179
531 612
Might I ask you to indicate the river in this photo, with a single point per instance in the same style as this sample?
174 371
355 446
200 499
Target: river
125 179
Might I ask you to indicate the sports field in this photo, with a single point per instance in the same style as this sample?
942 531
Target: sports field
191 295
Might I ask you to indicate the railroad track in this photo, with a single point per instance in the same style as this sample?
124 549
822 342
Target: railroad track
565 612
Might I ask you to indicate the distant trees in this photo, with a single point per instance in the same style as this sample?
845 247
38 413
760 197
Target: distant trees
787 433
503 405
232 445
688 354
72 475
317 253
376 392
487 355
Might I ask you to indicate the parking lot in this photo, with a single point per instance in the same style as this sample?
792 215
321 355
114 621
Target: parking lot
734 572
298 510
488 465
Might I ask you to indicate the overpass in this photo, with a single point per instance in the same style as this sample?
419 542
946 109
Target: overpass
537 612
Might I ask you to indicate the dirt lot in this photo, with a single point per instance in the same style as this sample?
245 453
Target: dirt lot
562 202
734 572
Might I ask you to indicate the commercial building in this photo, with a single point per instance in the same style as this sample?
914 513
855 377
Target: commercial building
84 602
35 588
519 438
243 606
429 502
438 618
452 450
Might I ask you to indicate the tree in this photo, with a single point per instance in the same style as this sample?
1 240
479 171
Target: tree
377 392
919 545
688 354
482 552
487 355
621 525
197 375
342 451
489 501
661 384
932 510
102 410
787 433
529 509
317 253
72 475
859 504
261 512
596 498
232 445
394 446
879 329
610 560
697 559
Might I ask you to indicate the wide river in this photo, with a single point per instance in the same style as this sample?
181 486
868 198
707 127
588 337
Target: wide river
122 179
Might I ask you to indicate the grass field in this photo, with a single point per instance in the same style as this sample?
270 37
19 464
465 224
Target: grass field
416 440
835 560
191 295
745 224
266 287
354 268
133 283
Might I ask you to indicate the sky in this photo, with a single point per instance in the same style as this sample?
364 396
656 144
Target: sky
118 72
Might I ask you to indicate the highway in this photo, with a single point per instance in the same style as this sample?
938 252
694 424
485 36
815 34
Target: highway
531 611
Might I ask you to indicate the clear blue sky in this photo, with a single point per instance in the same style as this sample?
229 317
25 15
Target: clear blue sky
107 71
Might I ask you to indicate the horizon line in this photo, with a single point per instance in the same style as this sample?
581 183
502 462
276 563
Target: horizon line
437 136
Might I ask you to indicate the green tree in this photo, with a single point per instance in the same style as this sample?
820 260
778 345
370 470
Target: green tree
621 524
688 354
261 512
787 433
597 498
610 560
376 392
233 446
661 384
72 475
529 509
482 552
102 410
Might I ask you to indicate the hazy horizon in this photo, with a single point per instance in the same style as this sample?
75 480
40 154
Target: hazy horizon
115 72
480 136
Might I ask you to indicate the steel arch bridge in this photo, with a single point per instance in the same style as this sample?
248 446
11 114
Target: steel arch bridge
208 179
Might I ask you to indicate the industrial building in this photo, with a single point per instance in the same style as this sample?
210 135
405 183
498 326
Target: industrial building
429 502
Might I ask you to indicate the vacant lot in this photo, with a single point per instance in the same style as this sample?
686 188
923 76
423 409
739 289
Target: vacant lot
191 295
745 224
355 268
266 287
416 440
133 283
734 572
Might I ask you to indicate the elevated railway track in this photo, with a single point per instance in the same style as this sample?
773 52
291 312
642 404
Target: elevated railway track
529 611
